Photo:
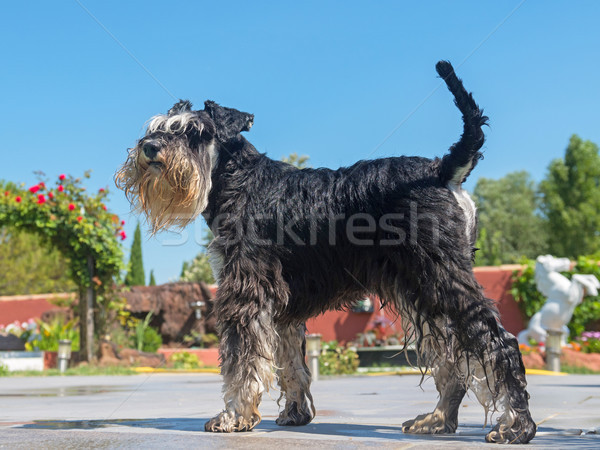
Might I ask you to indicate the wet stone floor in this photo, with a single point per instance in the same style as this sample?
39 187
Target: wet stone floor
169 411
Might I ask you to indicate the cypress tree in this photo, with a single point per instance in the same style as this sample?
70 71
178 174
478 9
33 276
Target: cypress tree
135 276
152 281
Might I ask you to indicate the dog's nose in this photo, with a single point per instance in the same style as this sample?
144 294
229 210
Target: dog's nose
150 149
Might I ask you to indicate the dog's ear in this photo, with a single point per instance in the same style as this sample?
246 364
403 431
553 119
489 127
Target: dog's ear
180 107
229 122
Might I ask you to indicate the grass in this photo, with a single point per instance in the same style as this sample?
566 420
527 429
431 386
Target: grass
80 370
578 370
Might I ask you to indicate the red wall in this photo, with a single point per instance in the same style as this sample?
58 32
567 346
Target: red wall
496 281
334 325
24 307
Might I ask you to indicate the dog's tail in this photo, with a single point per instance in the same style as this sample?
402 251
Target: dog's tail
457 165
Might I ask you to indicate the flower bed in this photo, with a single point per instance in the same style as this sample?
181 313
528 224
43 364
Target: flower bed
207 357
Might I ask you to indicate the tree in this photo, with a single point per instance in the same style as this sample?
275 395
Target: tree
77 224
509 221
300 162
199 269
30 267
571 200
152 281
135 275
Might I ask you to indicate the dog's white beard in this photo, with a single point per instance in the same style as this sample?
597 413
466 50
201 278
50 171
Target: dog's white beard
172 196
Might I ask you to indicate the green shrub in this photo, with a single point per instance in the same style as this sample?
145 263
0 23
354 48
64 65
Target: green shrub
185 360
3 370
337 360
51 333
146 338
151 340
206 340
530 300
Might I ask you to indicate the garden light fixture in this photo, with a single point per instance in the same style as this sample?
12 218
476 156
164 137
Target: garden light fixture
553 349
197 307
64 354
313 350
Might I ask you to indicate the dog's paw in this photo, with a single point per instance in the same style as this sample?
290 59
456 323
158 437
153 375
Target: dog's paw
294 416
226 422
520 432
432 423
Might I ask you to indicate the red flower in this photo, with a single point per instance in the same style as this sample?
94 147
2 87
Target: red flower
101 190
6 194
42 185
62 176
61 188
104 207
122 222
41 199
79 218
18 199
123 235
71 206
50 195
34 189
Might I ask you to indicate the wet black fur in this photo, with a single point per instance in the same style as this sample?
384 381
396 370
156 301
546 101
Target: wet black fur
425 274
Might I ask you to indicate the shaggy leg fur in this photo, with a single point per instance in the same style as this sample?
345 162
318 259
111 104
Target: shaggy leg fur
515 425
459 325
444 418
247 349
294 377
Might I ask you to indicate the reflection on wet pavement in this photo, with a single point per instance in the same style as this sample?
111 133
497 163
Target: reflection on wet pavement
70 391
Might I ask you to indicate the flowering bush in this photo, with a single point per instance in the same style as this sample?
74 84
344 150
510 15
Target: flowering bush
38 335
336 360
380 331
590 342
66 217
23 330
533 347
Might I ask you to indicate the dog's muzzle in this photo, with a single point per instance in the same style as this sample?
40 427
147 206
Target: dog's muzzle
151 149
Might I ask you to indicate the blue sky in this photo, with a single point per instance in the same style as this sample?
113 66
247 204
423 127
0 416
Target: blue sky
328 79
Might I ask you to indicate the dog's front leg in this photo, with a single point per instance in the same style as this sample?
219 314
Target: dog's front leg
293 376
246 352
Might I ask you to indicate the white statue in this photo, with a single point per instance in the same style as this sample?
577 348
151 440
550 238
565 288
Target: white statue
562 294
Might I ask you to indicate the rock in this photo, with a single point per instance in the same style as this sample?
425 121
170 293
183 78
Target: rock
170 305
10 342
137 358
109 356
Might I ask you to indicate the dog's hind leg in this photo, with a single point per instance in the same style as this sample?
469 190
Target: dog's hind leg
293 376
453 321
247 350
489 357
444 418
500 385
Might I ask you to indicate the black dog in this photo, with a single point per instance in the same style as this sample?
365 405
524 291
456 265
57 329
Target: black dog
290 244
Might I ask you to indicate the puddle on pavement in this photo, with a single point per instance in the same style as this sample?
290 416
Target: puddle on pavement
71 391
184 424
84 424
